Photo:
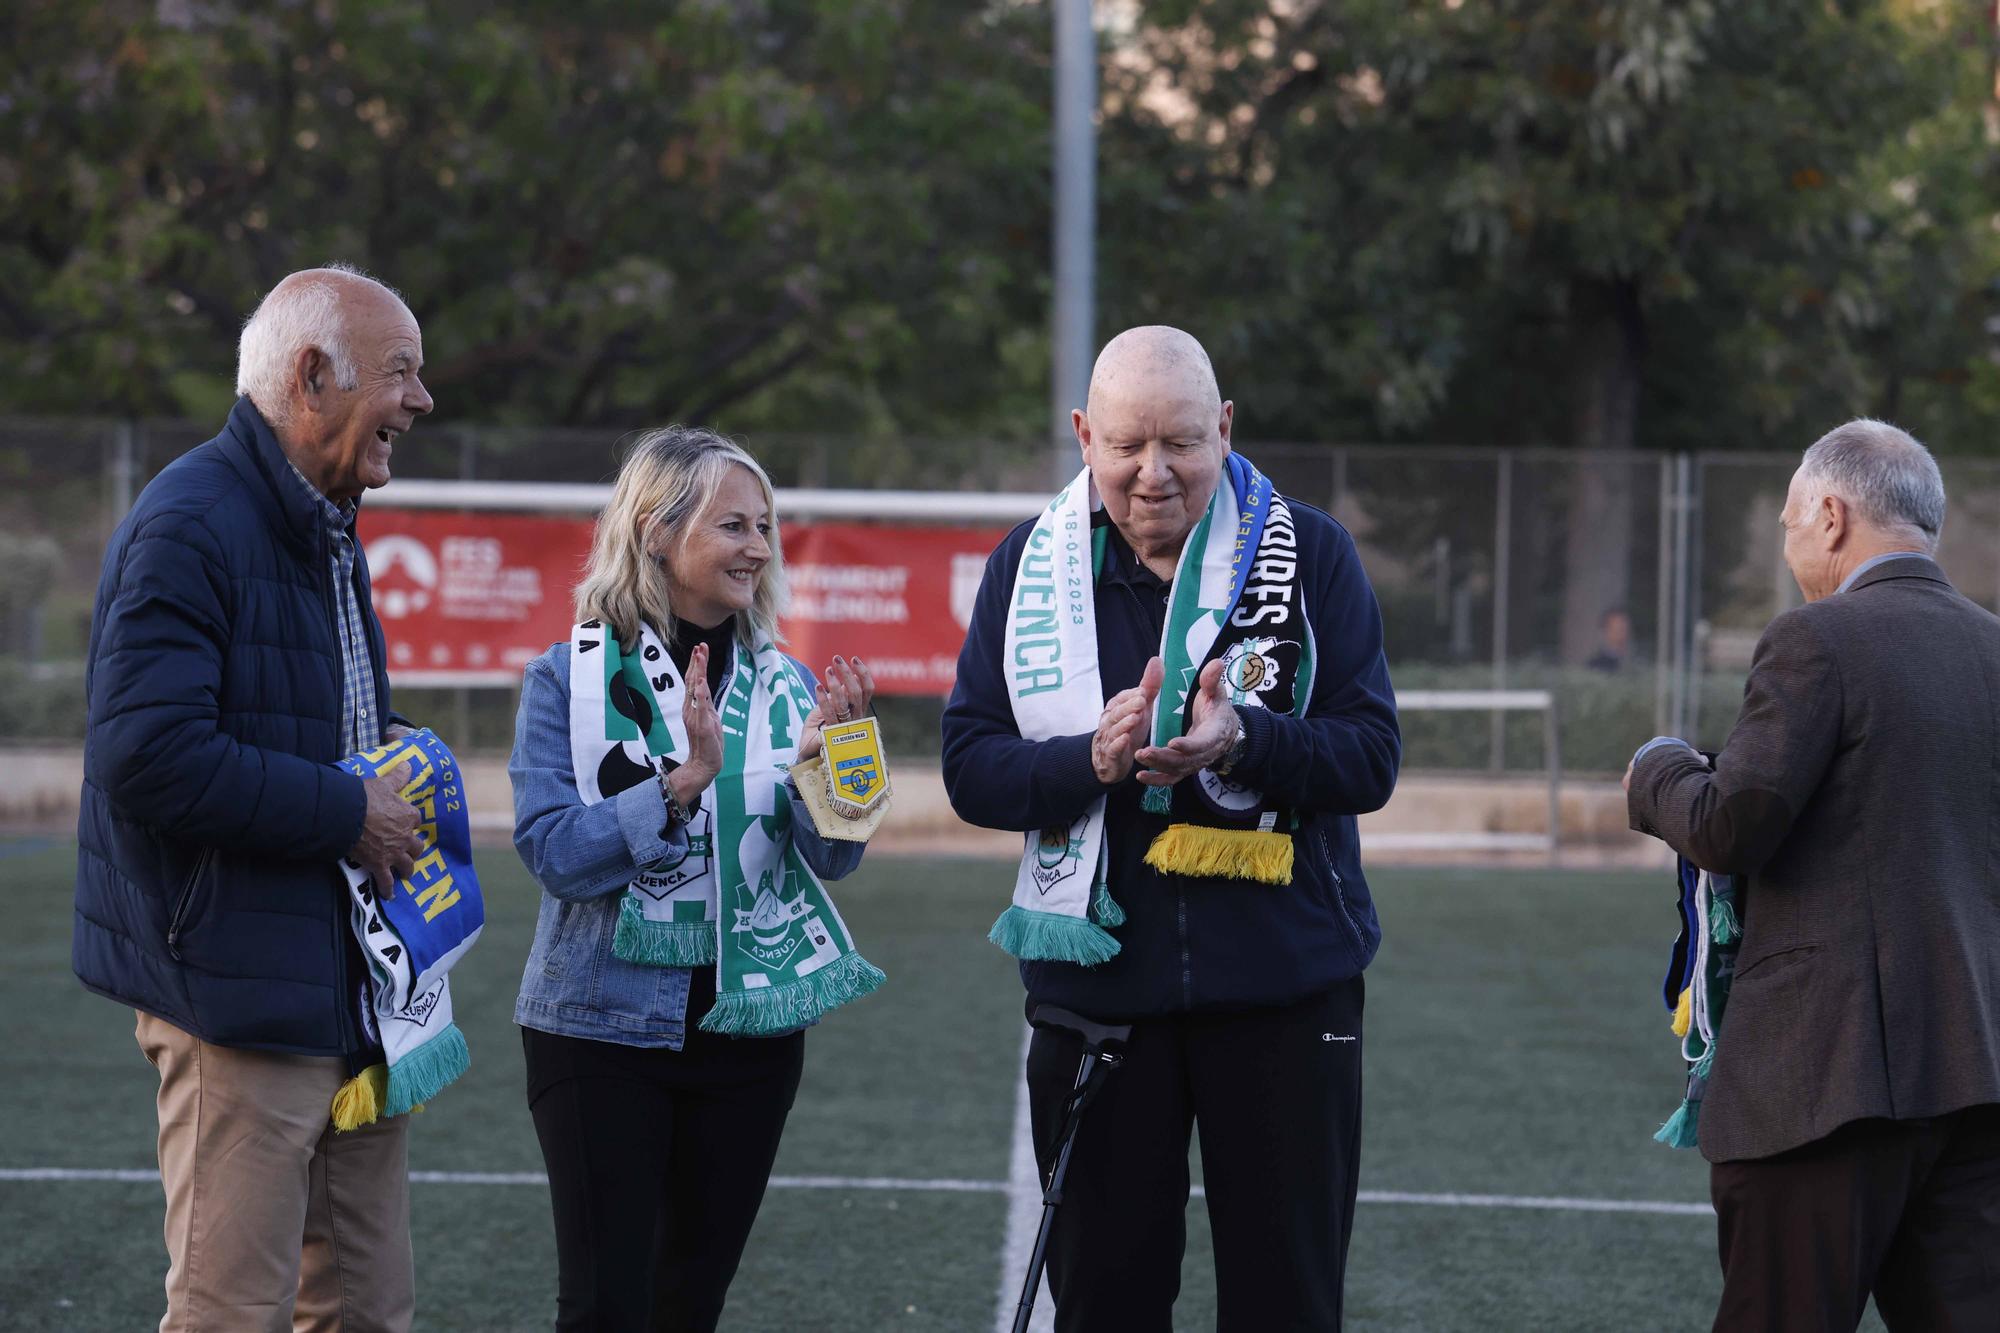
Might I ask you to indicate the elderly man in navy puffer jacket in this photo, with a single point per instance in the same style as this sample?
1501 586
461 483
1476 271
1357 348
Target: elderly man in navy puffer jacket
234 657
1240 975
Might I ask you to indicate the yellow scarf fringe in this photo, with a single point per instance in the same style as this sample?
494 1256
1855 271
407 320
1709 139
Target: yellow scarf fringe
1194 849
1684 1013
360 1099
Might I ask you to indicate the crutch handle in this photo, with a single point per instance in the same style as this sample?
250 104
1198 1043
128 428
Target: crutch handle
1096 1036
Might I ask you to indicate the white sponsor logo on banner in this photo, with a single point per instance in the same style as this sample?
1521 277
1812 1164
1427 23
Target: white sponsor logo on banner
868 593
403 574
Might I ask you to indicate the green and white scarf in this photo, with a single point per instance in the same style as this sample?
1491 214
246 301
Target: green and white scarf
742 898
1236 595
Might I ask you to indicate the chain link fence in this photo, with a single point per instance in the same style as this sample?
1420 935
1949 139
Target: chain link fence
1631 585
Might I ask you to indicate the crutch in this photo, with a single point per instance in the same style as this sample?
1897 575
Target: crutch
1103 1051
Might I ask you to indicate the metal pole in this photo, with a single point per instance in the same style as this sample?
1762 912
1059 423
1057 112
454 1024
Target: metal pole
1503 540
1075 226
1683 471
1664 609
1696 670
1552 739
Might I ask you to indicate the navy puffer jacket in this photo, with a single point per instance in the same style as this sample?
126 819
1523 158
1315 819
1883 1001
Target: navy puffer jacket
207 890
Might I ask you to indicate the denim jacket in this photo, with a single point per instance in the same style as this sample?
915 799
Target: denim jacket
583 856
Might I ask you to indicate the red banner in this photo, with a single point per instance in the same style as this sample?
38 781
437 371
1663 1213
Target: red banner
467 598
900 597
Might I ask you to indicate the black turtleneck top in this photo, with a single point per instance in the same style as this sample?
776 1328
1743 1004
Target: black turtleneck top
720 641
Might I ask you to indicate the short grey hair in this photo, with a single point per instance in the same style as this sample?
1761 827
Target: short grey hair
302 311
1887 477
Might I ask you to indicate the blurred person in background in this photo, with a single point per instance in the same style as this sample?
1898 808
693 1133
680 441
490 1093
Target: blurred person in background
234 658
1614 641
684 939
1852 1111
1174 685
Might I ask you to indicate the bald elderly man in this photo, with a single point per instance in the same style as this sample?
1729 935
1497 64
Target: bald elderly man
1173 685
234 657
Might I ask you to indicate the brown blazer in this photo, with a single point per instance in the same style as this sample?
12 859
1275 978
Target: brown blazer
1860 792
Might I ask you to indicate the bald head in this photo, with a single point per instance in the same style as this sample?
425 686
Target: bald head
315 308
331 360
1154 437
1154 361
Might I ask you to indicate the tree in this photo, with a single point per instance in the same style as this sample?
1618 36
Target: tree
773 215
1612 224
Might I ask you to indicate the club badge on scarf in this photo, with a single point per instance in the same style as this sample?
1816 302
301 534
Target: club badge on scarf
413 934
1697 984
1235 595
741 898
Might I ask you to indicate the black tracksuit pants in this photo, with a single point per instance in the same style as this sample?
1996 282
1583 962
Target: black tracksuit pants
1276 1094
657 1164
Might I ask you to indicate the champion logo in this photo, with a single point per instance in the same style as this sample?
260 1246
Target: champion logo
1329 1036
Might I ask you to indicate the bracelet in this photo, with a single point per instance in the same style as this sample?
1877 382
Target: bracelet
677 813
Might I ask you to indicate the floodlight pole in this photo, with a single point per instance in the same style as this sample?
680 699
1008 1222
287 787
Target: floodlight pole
1075 226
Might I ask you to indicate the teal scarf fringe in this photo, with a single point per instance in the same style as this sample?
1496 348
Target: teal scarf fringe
1053 938
770 1010
1722 927
1681 1129
427 1071
1105 909
661 943
1158 801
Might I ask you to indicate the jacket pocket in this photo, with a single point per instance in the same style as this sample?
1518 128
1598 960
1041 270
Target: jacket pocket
1775 964
559 934
177 923
1336 890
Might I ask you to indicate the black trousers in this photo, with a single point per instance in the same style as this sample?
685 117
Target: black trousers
657 1164
1908 1210
1276 1094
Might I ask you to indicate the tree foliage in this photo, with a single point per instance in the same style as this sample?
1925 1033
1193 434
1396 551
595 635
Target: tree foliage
1663 223
1484 223
822 214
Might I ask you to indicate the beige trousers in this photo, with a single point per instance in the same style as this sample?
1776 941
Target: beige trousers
274 1222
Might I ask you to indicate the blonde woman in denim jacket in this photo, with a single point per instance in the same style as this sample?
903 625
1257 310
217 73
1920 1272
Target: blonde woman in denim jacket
658 1135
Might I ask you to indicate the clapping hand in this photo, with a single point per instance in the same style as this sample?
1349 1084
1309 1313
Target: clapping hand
704 733
1122 726
1211 731
847 691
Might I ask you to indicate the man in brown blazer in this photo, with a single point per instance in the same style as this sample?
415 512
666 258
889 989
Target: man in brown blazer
1853 1113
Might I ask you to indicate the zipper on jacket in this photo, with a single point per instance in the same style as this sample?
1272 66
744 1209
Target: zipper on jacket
175 921
343 1003
1339 885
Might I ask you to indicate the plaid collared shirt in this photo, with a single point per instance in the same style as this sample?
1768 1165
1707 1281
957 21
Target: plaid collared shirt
360 710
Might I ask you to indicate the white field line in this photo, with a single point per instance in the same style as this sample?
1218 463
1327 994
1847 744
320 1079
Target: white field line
147 1175
1024 1213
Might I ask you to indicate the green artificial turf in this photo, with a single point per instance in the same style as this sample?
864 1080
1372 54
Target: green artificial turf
1515 1045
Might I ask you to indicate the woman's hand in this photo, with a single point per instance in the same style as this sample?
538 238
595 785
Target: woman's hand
704 733
846 692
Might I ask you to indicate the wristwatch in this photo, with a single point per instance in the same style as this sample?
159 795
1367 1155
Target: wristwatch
1234 754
